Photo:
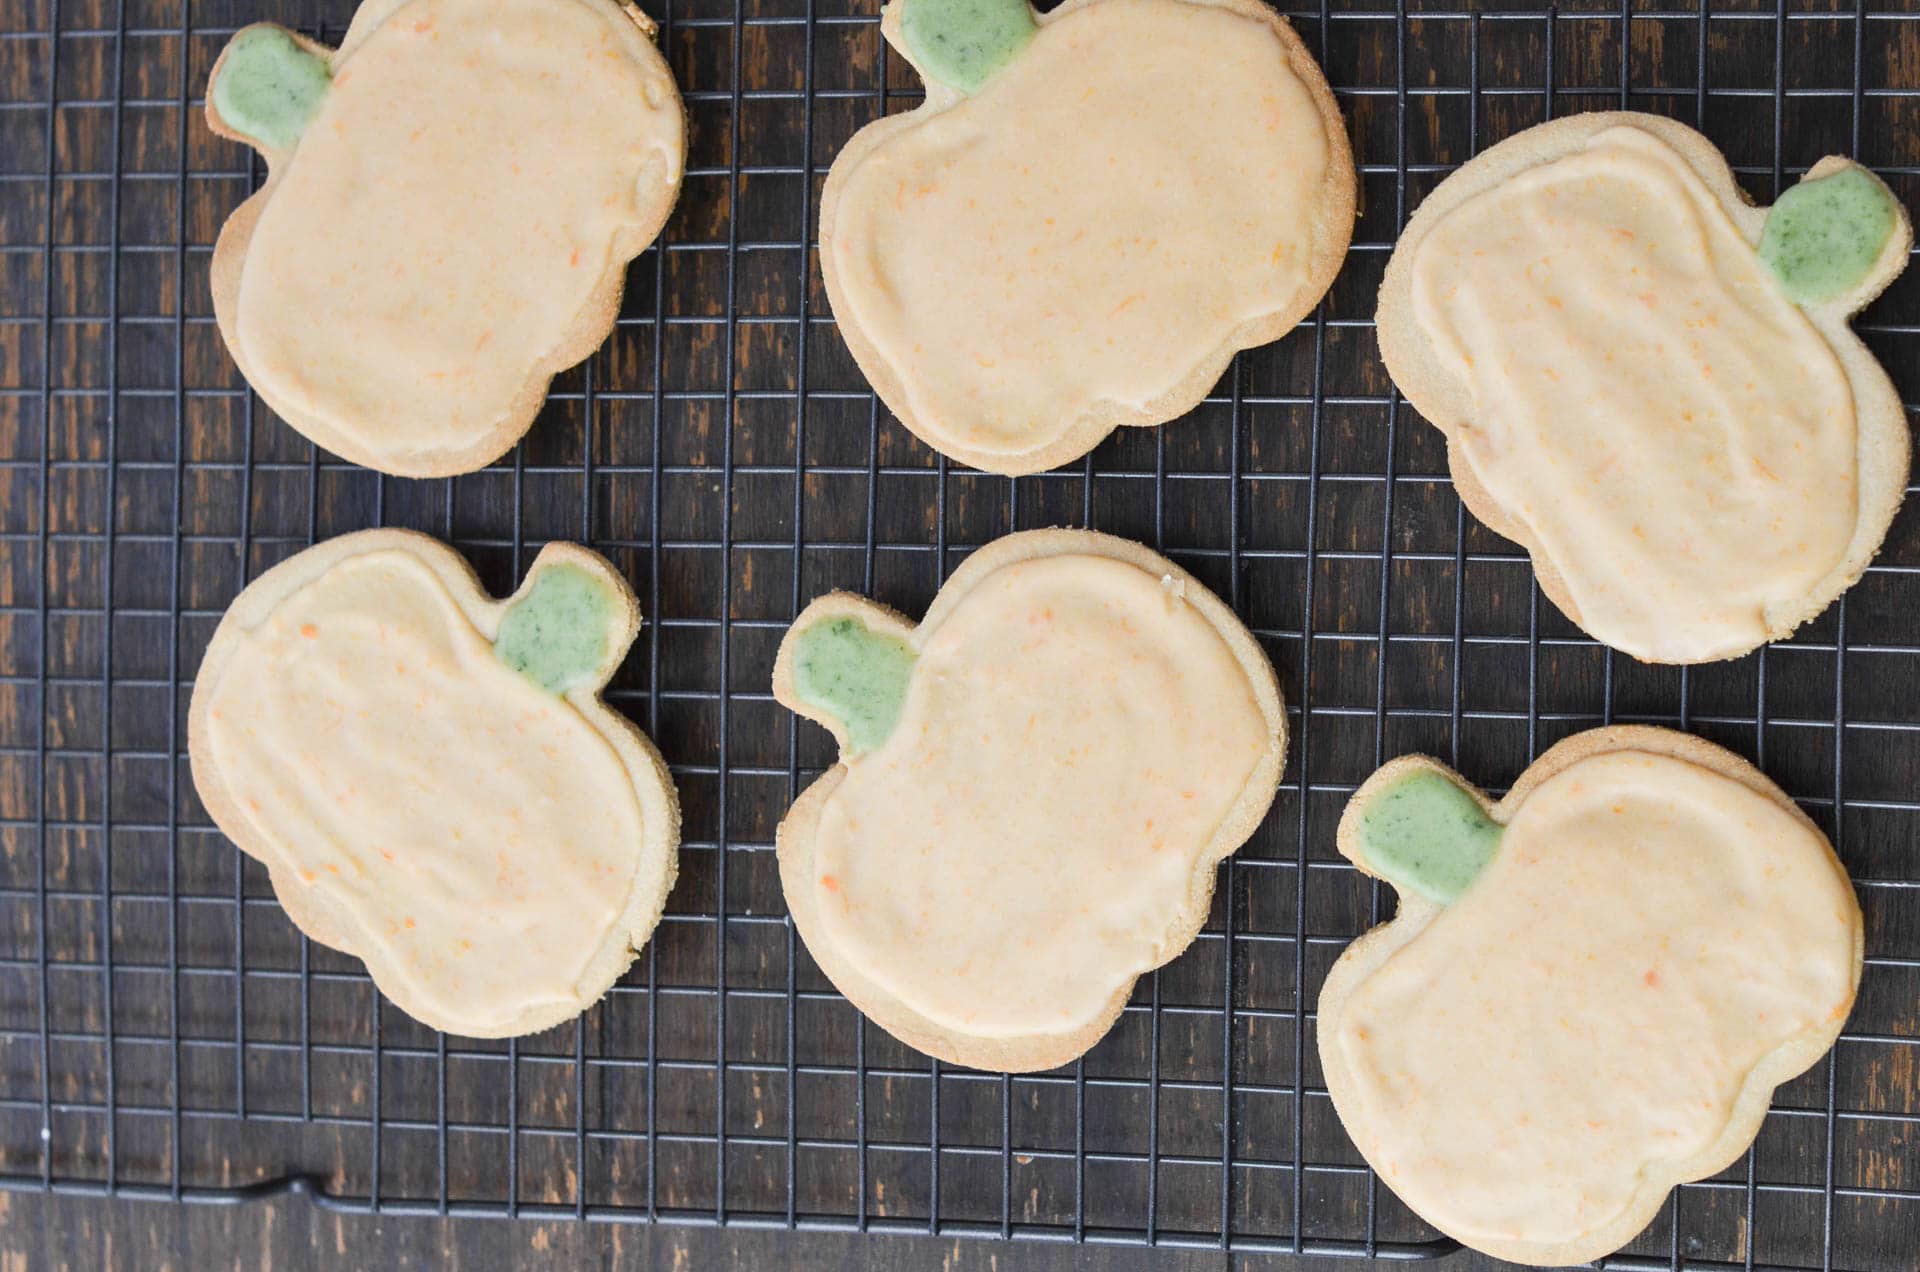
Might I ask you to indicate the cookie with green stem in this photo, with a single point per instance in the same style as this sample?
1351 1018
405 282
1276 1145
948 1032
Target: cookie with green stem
452 199
1651 384
1590 989
1094 209
1034 790
431 778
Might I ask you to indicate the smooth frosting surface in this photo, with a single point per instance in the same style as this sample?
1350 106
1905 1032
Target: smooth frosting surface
1648 931
472 826
1013 855
448 213
1090 226
1674 434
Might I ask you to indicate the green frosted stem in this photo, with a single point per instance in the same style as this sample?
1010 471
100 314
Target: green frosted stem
858 676
556 635
1425 834
1823 236
964 43
269 87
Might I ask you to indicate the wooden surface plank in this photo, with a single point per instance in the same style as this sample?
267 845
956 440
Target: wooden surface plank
65 1234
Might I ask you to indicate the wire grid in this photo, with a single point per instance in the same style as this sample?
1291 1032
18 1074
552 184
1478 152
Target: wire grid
165 1032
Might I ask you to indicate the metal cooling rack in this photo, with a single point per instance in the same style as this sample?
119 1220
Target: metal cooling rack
164 1032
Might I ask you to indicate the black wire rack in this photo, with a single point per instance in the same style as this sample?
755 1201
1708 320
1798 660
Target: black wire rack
165 1032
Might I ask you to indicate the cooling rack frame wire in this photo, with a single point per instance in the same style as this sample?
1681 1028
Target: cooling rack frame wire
165 1033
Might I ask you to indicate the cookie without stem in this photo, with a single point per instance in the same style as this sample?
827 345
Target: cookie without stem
1035 787
1650 384
1094 209
431 778
452 200
1590 990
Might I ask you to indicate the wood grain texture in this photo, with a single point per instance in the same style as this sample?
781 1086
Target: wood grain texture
1300 492
68 1234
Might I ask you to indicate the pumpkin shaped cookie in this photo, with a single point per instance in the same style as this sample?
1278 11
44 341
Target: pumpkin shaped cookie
431 779
1650 384
1590 990
1094 209
452 199
1035 786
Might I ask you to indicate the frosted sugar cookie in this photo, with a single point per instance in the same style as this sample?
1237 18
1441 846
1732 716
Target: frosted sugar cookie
1590 990
431 779
452 199
1650 384
1035 786
1092 212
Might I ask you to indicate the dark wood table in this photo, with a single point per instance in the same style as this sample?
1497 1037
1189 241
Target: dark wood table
61 1233
163 1023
